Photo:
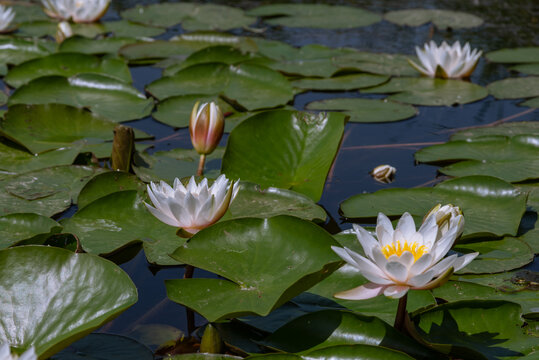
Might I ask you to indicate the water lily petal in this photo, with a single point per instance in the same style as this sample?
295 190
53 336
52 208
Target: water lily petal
396 291
367 241
362 292
406 225
396 271
462 261
423 263
161 216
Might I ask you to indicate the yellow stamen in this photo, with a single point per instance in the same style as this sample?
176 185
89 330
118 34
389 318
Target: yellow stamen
396 248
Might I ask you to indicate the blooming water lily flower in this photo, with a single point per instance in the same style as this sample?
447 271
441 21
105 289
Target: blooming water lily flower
80 11
446 61
403 258
193 207
206 127
6 17
5 354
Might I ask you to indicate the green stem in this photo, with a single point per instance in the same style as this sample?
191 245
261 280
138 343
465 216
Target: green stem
201 163
401 313
188 274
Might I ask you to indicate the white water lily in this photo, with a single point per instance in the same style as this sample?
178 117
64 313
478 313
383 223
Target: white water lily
5 354
6 17
447 216
80 11
446 61
192 207
63 31
384 173
403 259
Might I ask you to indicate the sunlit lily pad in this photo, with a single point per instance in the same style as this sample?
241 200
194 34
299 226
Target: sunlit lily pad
67 64
515 88
505 129
252 86
430 92
109 45
80 291
105 96
105 347
475 329
280 257
15 228
46 192
481 199
191 16
343 82
327 328
316 16
520 55
16 51
297 150
366 110
439 17
377 63
510 170
127 28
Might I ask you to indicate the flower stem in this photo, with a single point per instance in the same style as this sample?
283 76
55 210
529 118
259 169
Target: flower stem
401 313
201 163
188 274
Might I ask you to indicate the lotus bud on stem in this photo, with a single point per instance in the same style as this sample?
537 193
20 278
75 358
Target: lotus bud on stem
211 342
122 148
206 127
63 31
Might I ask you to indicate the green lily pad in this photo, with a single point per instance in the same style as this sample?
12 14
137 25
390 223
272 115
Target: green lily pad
176 111
16 51
80 291
530 69
341 352
366 110
176 163
510 171
192 16
28 12
3 98
377 63
481 198
119 219
127 28
107 183
521 55
343 82
253 86
105 96
315 16
67 64
253 201
475 330
430 92
326 328
47 127
533 103
348 277
105 347
515 88
110 45
280 258
509 281
496 255
41 28
17 160
505 129
439 17
45 192
203 356
15 228
297 150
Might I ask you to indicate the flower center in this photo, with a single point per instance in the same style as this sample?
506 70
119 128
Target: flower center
396 248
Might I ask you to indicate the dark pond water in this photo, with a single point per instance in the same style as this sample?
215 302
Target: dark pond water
508 24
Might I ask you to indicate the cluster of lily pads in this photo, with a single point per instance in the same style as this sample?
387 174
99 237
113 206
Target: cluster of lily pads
277 272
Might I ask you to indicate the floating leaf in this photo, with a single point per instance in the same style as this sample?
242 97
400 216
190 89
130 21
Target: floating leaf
439 17
280 258
316 16
343 82
366 110
533 103
430 92
515 88
110 45
16 51
105 347
3 98
530 69
297 150
27 12
105 96
342 352
45 192
253 86
475 329
519 55
505 129
511 171
15 228
80 292
127 28
49 27
481 199
377 63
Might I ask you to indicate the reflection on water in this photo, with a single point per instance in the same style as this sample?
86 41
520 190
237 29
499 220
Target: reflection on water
507 24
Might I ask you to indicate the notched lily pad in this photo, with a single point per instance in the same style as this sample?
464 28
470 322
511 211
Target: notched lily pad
33 228
439 17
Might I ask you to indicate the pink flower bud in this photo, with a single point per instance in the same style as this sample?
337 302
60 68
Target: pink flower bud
206 127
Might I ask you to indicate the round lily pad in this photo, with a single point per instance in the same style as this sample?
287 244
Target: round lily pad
105 96
366 110
515 88
509 170
377 63
80 291
16 51
439 17
530 69
533 103
127 28
343 82
83 45
316 16
520 55
430 92
15 228
505 129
